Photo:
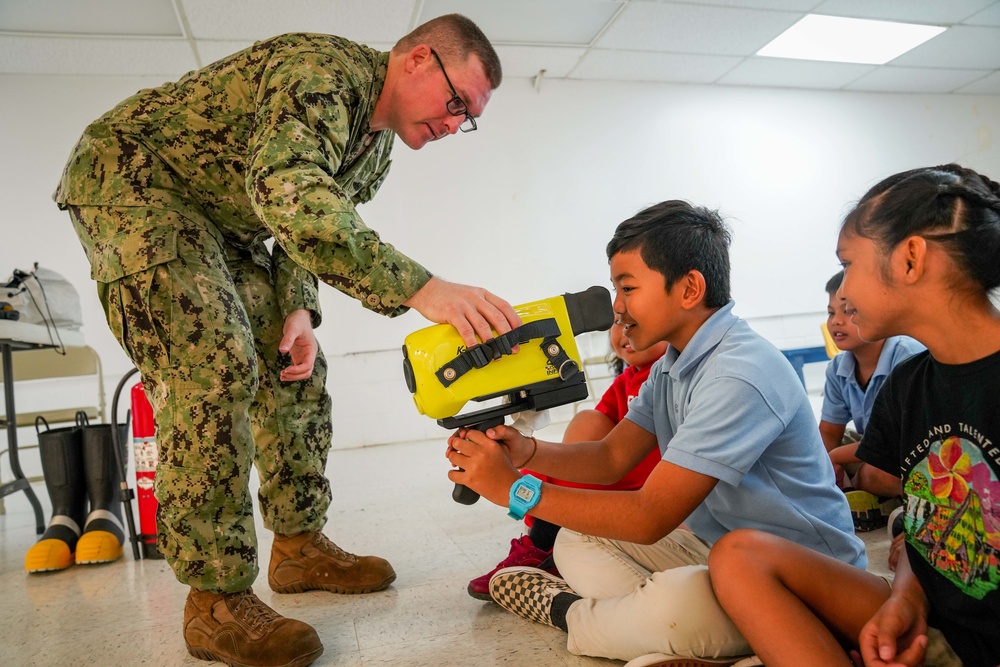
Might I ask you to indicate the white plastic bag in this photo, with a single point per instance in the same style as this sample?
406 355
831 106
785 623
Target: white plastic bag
42 296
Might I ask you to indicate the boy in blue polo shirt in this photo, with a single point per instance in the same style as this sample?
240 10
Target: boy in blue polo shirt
853 378
739 447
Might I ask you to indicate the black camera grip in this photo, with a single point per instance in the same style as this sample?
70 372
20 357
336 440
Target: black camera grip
461 493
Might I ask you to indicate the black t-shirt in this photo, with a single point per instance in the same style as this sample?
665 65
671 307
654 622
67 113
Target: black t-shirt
938 426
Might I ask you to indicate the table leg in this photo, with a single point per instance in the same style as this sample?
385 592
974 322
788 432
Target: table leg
20 483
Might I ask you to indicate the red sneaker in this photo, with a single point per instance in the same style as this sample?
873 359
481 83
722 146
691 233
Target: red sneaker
522 552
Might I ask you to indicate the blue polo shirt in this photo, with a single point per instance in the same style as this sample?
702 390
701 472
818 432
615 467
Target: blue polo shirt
731 406
843 398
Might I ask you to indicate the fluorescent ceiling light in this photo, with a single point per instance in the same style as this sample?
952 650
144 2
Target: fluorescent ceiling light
845 40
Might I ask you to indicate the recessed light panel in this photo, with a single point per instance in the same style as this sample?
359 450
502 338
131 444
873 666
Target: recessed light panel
846 40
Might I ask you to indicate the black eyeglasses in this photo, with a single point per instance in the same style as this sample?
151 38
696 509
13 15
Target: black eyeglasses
456 106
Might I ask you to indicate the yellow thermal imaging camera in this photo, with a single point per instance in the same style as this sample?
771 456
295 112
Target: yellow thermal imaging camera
443 375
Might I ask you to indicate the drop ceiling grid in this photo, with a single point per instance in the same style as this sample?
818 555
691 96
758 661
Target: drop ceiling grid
690 41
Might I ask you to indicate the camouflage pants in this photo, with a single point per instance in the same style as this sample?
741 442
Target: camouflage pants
201 321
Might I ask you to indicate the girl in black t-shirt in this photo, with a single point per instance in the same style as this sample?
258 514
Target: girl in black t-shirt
921 254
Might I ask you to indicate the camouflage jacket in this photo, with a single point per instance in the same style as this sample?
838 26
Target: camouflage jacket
273 141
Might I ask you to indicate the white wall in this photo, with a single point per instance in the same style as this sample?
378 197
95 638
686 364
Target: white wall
525 206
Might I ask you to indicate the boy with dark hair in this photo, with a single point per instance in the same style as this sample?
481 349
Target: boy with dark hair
739 448
853 378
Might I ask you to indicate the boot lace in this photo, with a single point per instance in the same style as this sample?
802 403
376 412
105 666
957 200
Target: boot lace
324 544
252 612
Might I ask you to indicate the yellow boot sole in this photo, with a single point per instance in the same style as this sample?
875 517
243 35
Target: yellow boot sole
47 556
98 546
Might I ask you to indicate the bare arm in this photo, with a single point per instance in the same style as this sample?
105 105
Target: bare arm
602 461
673 491
832 434
897 633
667 498
588 425
844 454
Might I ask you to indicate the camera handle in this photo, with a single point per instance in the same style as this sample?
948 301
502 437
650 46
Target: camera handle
461 493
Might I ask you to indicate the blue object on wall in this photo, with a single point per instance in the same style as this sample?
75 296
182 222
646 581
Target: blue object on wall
801 356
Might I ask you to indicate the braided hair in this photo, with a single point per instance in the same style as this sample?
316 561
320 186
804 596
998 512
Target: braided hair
948 204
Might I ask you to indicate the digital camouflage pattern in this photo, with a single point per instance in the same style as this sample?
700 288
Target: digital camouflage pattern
271 141
173 194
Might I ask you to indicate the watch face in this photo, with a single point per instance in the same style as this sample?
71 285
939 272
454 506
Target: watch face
525 493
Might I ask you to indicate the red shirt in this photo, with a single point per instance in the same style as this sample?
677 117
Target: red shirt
614 404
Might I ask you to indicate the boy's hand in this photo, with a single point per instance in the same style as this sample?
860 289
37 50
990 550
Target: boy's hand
519 448
485 463
895 636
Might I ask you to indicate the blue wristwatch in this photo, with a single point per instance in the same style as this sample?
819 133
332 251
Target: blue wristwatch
524 495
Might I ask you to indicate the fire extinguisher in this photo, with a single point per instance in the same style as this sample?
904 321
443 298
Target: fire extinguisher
145 452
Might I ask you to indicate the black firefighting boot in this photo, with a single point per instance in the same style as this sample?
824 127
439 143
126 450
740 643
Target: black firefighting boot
103 534
61 454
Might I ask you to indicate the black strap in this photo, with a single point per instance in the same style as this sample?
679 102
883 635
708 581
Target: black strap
478 356
566 367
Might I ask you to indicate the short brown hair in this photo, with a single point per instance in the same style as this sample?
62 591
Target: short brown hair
455 37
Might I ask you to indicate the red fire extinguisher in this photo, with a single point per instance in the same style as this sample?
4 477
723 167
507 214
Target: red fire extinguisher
144 444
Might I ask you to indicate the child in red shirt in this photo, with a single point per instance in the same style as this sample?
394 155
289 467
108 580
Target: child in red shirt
535 548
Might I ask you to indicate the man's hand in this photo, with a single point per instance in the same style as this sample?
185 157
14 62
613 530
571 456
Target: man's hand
298 341
471 310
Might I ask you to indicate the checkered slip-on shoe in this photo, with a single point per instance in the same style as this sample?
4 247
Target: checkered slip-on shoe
529 593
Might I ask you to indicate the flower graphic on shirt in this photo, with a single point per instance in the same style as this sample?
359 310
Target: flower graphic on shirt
951 471
988 490
953 515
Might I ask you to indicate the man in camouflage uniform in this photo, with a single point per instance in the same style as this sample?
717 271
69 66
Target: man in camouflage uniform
173 194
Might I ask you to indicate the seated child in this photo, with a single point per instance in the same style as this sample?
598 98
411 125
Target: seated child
920 257
535 548
739 448
853 378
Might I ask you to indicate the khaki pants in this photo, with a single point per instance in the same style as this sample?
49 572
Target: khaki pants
641 599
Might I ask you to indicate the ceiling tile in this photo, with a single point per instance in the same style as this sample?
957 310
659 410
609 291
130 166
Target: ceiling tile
372 20
923 11
988 85
989 16
960 47
699 41
525 61
646 66
783 5
788 73
531 21
94 17
680 28
67 55
888 79
210 50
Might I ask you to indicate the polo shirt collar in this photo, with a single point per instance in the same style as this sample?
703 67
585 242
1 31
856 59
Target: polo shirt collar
884 365
705 339
882 368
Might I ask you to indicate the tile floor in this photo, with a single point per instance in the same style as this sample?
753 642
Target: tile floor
392 500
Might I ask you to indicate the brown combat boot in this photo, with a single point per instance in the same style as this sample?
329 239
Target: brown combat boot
310 561
241 631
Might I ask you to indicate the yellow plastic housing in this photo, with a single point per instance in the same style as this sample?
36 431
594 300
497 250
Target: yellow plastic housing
427 350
